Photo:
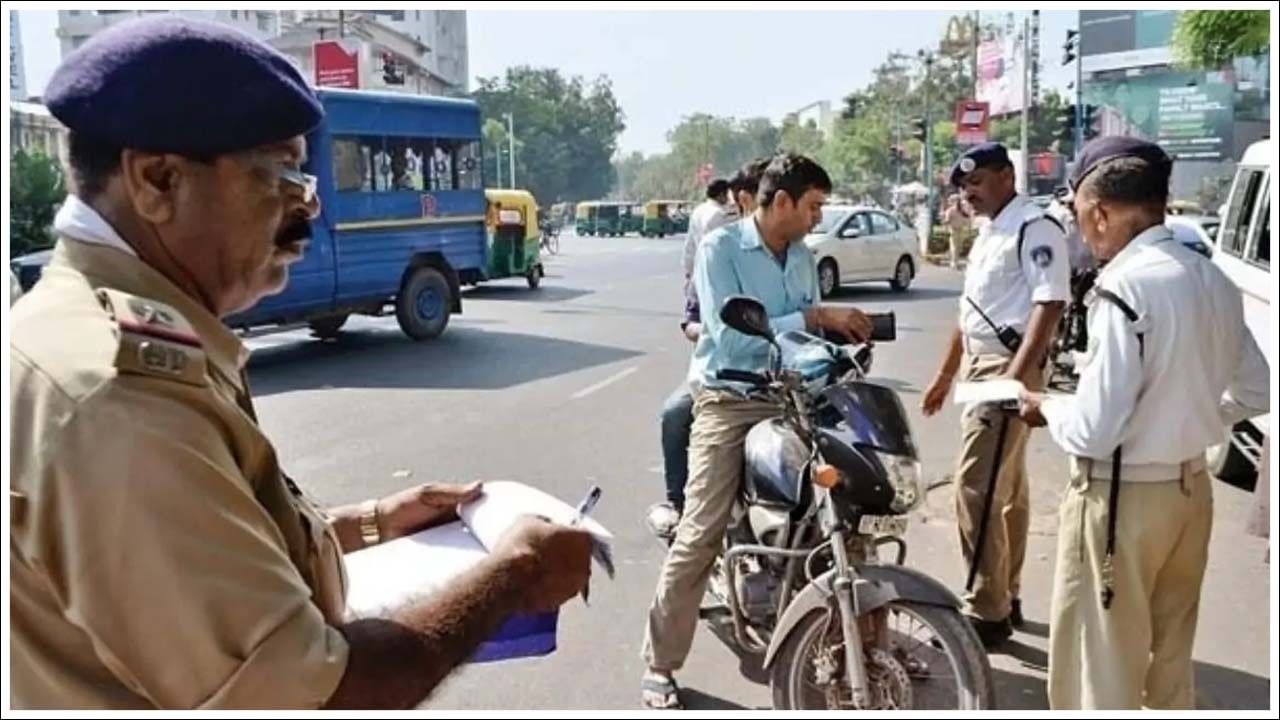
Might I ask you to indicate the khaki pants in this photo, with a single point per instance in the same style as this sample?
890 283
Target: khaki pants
1137 653
998 580
720 425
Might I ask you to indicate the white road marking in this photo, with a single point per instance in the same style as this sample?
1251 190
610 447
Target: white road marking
602 384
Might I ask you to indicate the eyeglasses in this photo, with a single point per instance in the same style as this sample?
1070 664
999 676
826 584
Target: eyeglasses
293 177
298 179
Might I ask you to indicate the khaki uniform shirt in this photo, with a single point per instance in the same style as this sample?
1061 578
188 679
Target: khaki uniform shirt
159 557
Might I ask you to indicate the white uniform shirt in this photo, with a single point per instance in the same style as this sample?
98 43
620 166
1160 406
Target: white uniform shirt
78 221
1199 370
706 217
1078 253
1005 284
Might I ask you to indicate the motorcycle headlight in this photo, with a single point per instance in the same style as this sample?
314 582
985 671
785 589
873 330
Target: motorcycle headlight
904 477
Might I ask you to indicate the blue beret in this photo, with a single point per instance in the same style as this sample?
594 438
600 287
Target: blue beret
172 84
991 154
1111 147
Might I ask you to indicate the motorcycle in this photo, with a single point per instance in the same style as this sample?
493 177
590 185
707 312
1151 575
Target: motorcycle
826 485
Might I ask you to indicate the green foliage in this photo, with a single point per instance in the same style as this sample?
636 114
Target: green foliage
566 132
36 191
1213 38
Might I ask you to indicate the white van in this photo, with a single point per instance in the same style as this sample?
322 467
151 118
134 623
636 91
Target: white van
1244 254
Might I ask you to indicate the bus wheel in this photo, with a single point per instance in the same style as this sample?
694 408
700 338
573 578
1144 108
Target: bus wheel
422 307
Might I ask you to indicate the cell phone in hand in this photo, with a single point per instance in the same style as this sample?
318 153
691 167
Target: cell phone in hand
884 327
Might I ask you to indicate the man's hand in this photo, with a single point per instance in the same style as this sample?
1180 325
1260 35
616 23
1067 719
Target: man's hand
850 322
936 395
555 559
1029 409
426 506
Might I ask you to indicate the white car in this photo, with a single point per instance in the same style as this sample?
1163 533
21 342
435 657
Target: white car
1243 251
857 243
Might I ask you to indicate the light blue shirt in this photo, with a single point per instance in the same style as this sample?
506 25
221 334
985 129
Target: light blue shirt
734 260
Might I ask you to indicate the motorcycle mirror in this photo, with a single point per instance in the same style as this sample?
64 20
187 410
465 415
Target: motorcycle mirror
747 316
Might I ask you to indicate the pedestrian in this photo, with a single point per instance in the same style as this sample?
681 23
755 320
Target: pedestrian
159 556
1015 288
958 221
1170 361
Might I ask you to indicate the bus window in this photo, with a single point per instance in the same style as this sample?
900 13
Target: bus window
441 165
353 163
468 164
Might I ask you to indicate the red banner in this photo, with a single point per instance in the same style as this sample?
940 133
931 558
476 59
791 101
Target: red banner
335 65
973 121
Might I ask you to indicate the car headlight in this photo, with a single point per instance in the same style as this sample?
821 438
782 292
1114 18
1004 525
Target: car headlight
904 477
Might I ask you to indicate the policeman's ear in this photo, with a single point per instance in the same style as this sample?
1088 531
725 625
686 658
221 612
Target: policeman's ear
152 181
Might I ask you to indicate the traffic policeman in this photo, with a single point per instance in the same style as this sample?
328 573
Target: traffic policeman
159 557
1016 285
1169 363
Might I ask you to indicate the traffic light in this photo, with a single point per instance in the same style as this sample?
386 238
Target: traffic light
1089 122
392 74
897 154
1071 48
919 129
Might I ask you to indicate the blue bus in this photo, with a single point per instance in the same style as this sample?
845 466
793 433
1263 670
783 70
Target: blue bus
402 219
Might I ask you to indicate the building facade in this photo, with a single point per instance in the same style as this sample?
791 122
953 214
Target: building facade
1204 118
17 71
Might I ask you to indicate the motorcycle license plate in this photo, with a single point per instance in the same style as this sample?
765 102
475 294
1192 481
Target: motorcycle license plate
882 525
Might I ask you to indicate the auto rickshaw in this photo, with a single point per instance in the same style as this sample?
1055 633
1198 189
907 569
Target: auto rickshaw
680 217
608 218
511 222
632 219
657 218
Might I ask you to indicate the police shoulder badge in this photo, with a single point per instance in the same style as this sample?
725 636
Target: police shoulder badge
1042 256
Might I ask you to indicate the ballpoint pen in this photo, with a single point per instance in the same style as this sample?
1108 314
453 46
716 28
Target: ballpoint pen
584 509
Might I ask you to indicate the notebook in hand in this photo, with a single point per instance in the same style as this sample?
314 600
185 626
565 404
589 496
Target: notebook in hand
386 576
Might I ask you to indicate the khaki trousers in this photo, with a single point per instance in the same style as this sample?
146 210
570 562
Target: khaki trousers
1000 560
720 424
1137 653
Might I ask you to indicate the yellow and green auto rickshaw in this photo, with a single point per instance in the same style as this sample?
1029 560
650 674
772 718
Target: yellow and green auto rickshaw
680 216
632 219
585 220
602 218
511 222
657 219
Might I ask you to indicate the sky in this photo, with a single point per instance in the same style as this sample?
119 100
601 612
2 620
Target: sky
667 64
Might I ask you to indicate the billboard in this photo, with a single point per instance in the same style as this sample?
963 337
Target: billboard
1000 81
335 66
1111 39
1190 114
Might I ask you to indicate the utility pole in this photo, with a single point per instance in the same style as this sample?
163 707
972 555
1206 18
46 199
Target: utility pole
928 132
342 24
497 162
977 28
511 150
1079 134
1026 101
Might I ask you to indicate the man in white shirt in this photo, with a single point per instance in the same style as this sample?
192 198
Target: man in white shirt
1170 362
1016 285
718 209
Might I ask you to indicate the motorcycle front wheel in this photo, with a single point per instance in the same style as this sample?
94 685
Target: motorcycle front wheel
933 660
